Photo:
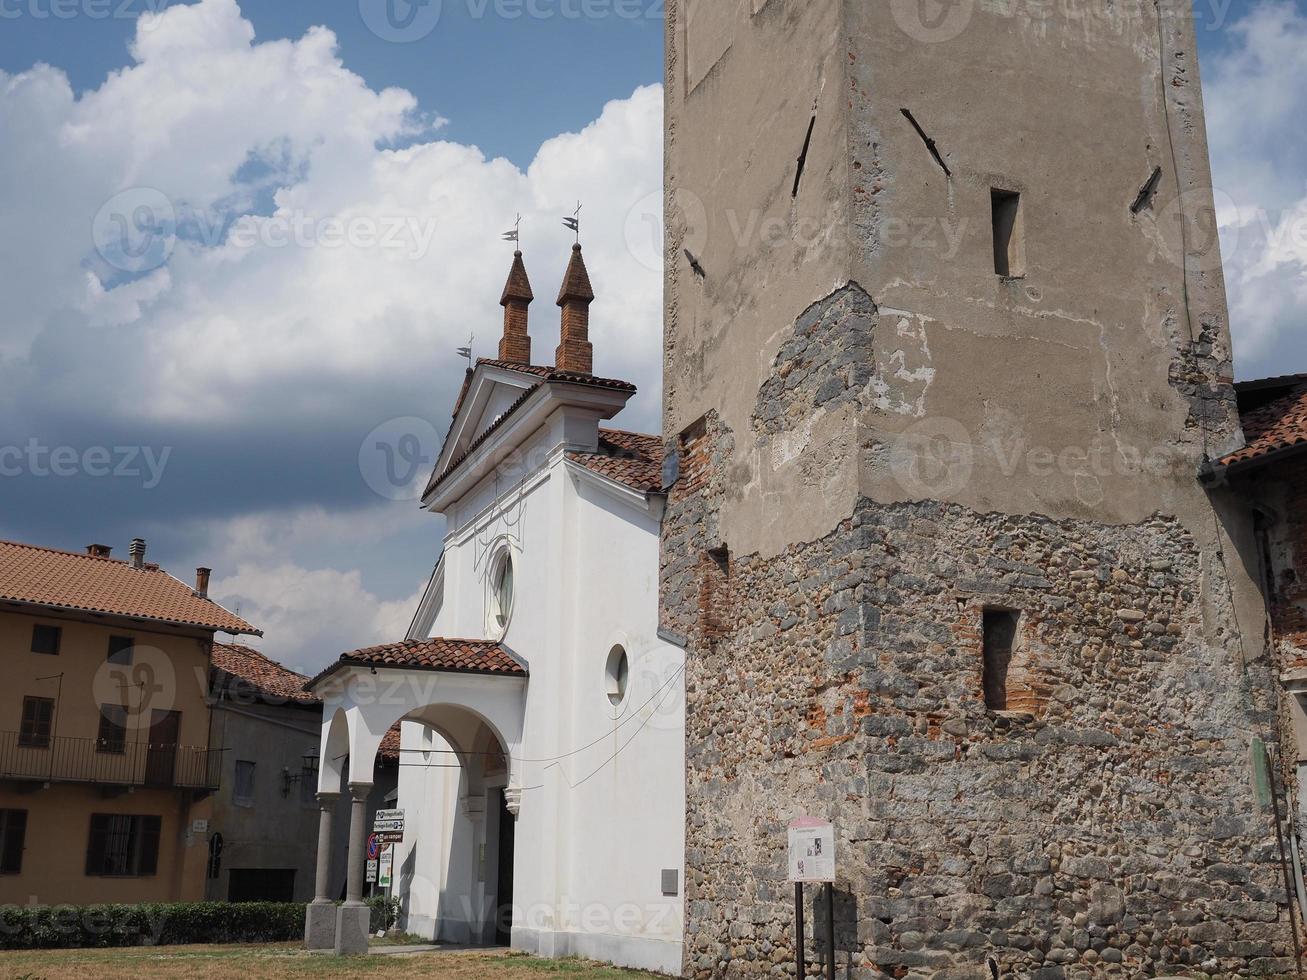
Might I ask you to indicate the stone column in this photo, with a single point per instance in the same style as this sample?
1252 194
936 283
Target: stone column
320 916
352 917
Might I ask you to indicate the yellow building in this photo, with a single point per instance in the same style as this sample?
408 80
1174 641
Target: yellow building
106 763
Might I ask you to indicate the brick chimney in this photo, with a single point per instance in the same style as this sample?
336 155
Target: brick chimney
575 352
98 550
202 582
516 343
137 552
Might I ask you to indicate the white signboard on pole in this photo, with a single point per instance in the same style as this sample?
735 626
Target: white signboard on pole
812 850
372 871
386 865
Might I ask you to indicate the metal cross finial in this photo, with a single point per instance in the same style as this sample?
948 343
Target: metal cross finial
467 351
574 222
516 234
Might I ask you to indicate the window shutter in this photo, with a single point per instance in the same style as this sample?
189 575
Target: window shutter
37 716
96 843
13 833
149 828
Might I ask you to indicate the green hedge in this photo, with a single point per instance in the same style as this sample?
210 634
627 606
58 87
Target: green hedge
384 913
150 924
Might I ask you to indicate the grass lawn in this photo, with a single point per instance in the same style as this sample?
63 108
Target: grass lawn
288 960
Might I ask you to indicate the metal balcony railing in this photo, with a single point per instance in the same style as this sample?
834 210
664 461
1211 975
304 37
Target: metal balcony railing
110 763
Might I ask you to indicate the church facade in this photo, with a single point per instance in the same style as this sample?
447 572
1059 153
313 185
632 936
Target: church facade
541 729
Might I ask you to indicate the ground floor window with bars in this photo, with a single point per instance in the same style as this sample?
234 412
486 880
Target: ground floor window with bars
13 834
123 845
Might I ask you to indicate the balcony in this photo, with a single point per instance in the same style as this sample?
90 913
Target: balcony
60 759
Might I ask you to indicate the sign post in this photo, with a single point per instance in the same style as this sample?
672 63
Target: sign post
812 858
799 960
830 930
374 852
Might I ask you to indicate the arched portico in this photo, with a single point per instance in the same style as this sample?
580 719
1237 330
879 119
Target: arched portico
454 772
468 693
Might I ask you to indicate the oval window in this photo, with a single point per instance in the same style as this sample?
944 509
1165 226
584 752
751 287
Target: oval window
501 590
616 674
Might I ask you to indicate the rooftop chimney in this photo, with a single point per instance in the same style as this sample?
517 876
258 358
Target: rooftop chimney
516 343
575 352
137 551
98 550
202 582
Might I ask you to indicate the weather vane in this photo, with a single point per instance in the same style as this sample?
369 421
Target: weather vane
515 235
574 222
467 351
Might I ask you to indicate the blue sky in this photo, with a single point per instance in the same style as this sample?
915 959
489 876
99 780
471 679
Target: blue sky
506 83
239 391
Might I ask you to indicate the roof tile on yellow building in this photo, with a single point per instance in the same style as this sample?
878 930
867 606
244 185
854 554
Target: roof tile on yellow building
89 583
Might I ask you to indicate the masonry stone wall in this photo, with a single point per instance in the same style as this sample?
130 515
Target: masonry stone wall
930 439
1108 825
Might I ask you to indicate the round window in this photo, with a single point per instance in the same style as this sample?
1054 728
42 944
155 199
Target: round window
501 590
616 674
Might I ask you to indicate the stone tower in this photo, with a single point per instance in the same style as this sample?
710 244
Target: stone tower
946 350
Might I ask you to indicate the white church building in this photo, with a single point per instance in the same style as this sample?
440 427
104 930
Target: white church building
541 715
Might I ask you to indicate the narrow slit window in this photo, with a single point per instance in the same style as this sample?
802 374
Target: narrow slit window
1009 247
1000 634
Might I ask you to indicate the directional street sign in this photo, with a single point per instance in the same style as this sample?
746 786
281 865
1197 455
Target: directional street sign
388 827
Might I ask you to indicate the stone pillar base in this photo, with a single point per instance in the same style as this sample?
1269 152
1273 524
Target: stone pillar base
352 929
320 926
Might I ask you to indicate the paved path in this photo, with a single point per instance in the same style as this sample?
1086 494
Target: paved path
443 948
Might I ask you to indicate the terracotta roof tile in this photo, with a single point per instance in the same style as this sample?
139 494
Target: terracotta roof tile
250 672
631 458
1273 428
389 748
551 373
72 580
437 653
1280 381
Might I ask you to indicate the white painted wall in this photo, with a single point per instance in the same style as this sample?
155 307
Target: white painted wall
601 786
602 811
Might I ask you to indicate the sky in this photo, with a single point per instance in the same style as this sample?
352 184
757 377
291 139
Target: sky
242 240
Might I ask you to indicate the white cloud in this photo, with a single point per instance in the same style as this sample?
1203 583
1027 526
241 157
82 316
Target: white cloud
267 154
1254 94
255 326
310 616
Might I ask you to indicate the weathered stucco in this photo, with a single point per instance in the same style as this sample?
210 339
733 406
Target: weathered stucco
1089 354
881 438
